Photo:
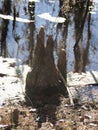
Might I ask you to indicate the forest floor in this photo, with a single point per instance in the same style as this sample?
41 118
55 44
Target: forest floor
19 116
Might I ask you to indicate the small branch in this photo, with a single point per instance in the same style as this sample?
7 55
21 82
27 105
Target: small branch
65 84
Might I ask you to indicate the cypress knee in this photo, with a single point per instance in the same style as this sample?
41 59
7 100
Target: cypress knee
43 81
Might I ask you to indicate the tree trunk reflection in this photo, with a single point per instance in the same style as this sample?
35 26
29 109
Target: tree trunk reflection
31 8
86 49
6 9
80 18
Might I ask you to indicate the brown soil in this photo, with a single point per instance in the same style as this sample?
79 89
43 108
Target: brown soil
49 117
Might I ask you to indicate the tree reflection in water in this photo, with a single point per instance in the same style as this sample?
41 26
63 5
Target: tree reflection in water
6 9
81 14
31 9
18 39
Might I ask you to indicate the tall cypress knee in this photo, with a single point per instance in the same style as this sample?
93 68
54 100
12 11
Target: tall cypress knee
43 81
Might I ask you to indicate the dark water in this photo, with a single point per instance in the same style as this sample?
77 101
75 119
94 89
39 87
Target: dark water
78 35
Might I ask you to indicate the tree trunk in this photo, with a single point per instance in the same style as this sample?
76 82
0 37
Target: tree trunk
43 82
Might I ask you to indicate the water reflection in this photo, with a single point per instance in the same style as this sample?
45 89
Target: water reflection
80 16
6 8
31 9
18 39
86 49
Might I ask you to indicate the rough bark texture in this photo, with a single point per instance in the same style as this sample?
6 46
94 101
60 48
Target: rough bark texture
44 81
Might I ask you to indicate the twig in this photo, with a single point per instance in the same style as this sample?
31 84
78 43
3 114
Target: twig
66 85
